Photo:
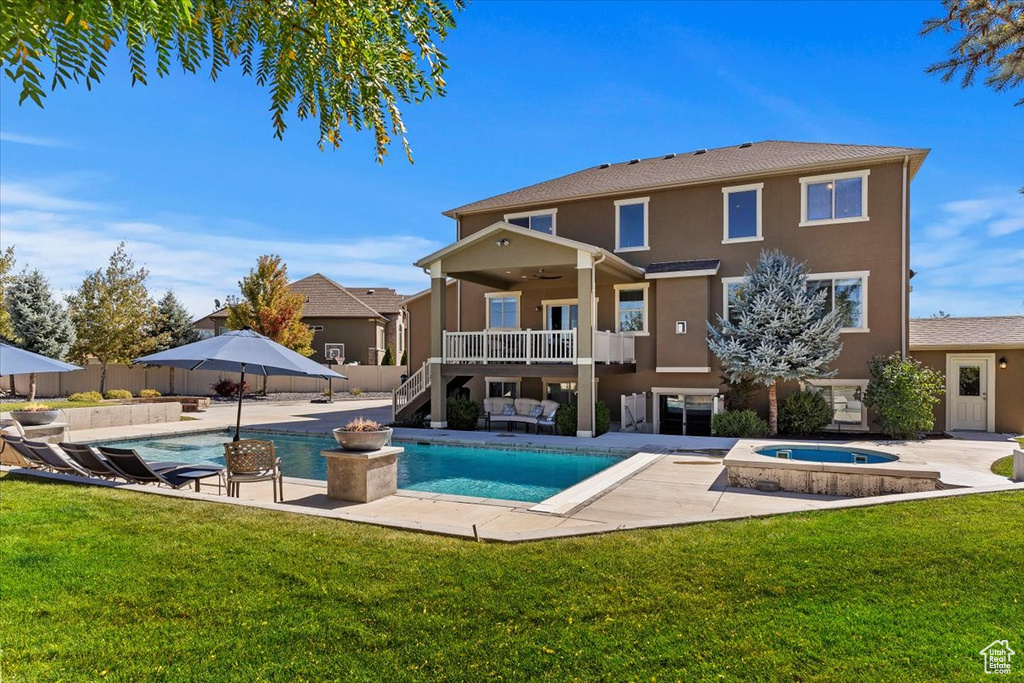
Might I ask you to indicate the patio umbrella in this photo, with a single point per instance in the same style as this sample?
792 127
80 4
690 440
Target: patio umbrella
15 361
240 351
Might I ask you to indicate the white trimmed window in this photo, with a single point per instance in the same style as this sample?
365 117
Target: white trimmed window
631 312
541 221
741 213
502 387
732 288
848 291
834 198
503 310
846 396
631 224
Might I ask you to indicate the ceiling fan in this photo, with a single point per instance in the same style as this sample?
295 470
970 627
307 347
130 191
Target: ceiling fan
539 275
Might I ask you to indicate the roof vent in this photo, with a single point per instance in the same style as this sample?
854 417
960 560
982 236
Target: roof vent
604 165
700 151
634 161
670 156
369 291
746 144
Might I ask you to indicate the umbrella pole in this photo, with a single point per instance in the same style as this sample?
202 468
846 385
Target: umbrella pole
238 419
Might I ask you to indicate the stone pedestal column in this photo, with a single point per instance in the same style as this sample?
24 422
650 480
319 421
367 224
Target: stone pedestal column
362 477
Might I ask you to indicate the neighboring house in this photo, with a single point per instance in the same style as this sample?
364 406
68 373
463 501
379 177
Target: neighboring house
345 323
388 303
600 284
983 361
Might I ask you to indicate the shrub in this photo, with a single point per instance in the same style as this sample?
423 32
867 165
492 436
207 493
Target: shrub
740 395
463 414
117 394
741 424
567 419
361 424
86 397
149 393
34 408
355 391
804 412
389 357
902 392
405 358
226 387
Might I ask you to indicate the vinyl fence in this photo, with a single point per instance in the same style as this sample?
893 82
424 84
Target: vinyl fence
198 382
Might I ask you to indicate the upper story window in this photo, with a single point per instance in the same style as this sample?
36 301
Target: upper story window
847 292
733 288
541 221
741 209
631 224
631 308
503 310
834 198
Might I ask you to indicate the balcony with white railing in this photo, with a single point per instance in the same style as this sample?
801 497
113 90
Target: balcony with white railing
533 346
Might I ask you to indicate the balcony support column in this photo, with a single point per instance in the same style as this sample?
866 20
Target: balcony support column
585 285
438 323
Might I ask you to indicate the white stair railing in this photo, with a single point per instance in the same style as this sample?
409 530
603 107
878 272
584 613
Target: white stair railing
417 383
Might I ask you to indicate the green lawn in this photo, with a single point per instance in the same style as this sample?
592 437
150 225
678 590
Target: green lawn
101 584
7 407
1003 467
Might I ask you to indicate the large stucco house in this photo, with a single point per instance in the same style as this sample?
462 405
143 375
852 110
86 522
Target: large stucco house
350 324
600 284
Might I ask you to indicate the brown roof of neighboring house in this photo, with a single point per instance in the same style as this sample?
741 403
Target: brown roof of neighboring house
995 332
380 299
325 298
691 168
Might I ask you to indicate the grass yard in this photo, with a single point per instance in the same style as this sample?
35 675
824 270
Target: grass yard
1003 467
101 584
9 406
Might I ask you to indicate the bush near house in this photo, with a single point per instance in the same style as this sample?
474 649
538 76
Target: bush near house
463 414
355 391
227 388
389 357
149 393
740 424
804 412
567 419
117 395
902 392
86 397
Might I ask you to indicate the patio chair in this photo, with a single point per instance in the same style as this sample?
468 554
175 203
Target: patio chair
130 466
51 458
251 460
10 455
89 460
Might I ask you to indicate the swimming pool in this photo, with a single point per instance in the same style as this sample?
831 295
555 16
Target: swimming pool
837 454
528 476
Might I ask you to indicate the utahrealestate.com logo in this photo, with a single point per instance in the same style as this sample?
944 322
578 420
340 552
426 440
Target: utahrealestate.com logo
997 657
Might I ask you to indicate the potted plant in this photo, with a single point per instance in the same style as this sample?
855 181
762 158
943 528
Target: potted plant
35 414
362 435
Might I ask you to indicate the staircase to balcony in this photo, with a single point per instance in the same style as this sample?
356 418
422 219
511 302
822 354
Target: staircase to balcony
413 395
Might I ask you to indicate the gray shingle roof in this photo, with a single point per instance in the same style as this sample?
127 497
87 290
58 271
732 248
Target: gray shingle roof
759 158
993 332
325 298
380 299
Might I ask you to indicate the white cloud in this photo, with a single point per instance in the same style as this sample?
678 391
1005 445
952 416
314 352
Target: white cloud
200 259
7 136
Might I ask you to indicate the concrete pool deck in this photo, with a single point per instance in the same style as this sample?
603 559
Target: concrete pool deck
677 480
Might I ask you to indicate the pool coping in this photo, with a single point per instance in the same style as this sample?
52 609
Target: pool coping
744 454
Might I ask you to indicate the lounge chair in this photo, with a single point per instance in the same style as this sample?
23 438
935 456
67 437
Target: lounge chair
129 465
52 459
11 455
251 460
89 460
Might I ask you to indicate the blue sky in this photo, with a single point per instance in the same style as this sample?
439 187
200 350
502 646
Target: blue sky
188 173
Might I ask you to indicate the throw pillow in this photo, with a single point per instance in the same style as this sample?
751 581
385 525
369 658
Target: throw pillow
536 411
510 409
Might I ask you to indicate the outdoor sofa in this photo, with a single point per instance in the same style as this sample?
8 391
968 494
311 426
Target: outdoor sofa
525 411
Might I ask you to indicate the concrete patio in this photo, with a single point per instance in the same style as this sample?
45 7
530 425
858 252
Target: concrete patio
675 480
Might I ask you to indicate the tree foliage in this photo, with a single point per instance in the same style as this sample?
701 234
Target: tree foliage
903 392
270 308
6 268
389 357
174 326
738 424
783 331
345 63
113 314
804 412
39 321
990 38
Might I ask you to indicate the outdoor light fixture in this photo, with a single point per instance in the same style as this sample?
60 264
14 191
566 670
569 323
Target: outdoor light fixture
1002 362
503 242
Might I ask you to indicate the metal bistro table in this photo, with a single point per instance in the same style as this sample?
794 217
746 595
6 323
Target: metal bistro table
198 473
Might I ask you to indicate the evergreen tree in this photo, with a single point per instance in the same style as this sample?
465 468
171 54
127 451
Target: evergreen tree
405 358
782 332
38 320
173 328
6 267
389 357
113 314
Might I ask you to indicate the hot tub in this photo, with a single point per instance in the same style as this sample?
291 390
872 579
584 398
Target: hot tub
837 454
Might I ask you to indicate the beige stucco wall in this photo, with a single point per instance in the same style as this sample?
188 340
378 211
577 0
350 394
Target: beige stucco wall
359 335
1009 389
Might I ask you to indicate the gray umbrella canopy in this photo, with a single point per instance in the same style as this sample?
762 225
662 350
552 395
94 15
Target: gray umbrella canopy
240 351
15 361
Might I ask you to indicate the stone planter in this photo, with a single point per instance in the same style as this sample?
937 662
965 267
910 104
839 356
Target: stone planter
362 441
30 418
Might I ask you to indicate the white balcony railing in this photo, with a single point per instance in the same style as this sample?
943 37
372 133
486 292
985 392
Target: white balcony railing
411 388
532 346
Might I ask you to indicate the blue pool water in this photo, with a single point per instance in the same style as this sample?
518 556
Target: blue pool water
838 454
529 476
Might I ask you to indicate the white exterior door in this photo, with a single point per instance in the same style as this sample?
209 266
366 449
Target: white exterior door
969 393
